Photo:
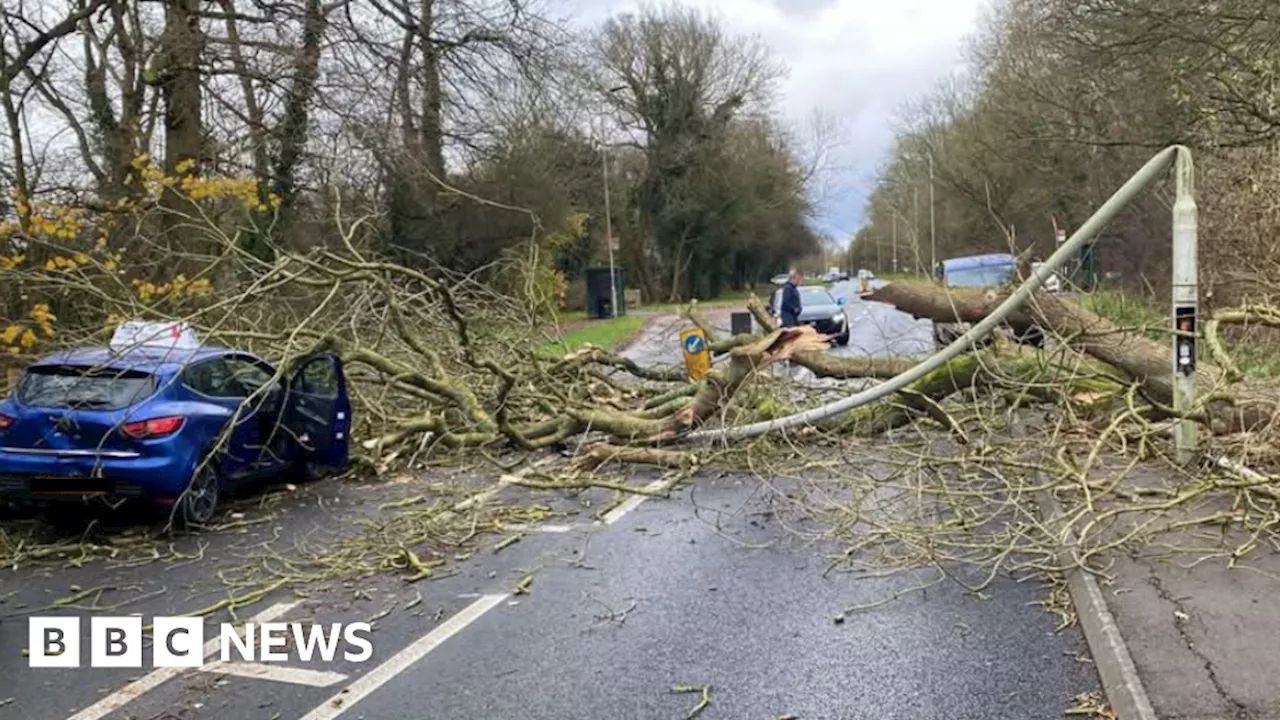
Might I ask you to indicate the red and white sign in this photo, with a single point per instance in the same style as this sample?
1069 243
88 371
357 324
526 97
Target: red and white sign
167 335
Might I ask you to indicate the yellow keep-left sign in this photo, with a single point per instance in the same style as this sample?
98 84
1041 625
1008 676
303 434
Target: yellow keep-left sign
697 356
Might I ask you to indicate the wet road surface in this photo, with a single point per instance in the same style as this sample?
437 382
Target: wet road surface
620 604
600 606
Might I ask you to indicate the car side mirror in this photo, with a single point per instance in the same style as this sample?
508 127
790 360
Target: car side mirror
840 301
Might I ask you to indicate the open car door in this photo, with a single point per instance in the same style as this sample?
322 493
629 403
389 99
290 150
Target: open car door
318 414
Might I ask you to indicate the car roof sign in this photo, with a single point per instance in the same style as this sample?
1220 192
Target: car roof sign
136 334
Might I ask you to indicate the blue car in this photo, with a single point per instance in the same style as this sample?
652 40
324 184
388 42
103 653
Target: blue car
176 427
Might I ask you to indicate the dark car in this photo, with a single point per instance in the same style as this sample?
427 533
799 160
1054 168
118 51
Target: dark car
170 424
992 271
818 309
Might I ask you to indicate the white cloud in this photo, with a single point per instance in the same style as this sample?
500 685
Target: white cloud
857 61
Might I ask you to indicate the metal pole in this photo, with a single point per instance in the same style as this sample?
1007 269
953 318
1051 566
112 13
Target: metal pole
933 238
608 225
915 229
1184 304
894 218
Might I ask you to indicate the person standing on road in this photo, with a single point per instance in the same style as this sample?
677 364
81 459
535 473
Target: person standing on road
790 306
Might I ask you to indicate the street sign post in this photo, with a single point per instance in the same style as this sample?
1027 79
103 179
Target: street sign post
697 356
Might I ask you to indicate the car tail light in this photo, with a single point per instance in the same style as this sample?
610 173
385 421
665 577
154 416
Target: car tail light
5 421
157 427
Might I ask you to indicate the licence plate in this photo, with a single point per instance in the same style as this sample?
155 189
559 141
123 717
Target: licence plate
69 485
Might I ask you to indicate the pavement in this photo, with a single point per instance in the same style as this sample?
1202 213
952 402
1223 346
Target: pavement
1194 611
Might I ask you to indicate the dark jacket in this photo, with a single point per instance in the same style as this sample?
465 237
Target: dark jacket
789 308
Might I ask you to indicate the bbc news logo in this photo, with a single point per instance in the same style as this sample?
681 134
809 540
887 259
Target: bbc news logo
117 642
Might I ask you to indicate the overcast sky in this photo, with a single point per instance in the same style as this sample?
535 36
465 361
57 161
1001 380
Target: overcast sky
856 60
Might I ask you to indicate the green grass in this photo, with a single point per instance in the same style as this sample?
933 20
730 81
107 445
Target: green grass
1254 350
1130 311
608 334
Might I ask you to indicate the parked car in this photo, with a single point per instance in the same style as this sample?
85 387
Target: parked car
818 309
834 276
161 419
984 272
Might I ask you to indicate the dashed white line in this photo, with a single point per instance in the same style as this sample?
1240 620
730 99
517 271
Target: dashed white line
275 673
521 527
630 503
401 661
153 679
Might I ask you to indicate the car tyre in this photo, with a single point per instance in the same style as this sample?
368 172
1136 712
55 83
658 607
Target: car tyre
199 503
307 472
843 338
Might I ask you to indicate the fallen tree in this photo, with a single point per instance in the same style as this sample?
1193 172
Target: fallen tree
1225 406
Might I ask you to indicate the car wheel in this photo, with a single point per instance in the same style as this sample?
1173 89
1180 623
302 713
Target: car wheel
199 502
310 472
843 338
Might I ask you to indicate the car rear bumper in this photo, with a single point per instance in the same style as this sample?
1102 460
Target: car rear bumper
35 475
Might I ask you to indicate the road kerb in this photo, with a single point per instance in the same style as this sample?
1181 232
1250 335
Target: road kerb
1120 681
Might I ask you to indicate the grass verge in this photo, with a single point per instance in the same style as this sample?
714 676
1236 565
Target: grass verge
1255 350
609 334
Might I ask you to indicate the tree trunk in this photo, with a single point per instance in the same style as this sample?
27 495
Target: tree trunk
179 78
182 45
1226 408
292 132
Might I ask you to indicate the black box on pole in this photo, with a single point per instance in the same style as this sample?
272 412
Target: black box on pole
740 323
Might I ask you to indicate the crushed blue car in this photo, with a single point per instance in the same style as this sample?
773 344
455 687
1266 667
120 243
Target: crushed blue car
157 417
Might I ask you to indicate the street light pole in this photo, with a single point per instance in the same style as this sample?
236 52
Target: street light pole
894 219
933 238
608 225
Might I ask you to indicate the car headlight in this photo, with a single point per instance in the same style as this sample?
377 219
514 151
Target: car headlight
838 317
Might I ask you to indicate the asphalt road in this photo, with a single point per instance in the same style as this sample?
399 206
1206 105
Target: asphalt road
876 330
597 610
709 588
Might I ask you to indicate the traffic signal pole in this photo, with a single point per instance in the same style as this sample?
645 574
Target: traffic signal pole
1185 291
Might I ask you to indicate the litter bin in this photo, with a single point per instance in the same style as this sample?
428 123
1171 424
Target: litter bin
740 323
600 292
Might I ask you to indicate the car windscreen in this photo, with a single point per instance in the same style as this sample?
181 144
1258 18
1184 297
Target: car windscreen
811 297
90 388
980 276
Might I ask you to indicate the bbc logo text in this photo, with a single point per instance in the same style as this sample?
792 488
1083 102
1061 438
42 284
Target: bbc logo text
118 642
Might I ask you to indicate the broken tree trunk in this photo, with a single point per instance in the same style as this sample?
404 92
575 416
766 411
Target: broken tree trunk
823 364
1226 407
713 393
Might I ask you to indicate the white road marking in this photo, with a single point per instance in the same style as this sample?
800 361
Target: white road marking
401 661
521 527
275 673
630 503
153 679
